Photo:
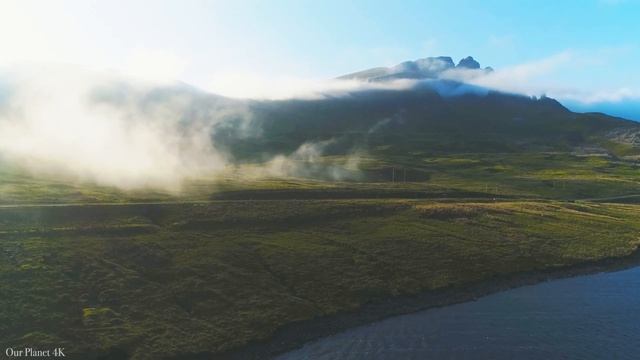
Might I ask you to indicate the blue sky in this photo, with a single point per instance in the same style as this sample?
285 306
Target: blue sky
582 51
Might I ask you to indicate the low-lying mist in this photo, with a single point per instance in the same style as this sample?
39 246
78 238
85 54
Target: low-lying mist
308 162
102 128
106 129
99 128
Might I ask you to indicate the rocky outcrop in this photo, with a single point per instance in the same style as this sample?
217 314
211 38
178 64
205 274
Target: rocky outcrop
469 63
426 68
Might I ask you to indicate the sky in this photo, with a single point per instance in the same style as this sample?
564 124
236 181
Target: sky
583 52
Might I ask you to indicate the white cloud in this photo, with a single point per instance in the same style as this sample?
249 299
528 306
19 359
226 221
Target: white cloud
96 127
519 78
536 77
602 96
539 77
255 86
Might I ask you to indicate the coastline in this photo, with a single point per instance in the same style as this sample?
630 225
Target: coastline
295 335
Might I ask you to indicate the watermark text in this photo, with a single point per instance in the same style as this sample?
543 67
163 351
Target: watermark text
29 352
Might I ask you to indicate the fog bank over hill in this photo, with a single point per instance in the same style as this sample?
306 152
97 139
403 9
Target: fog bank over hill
109 130
525 79
113 130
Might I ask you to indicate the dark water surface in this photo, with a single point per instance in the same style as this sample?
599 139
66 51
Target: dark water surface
587 317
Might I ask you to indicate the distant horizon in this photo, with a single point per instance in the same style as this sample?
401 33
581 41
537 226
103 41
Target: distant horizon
583 53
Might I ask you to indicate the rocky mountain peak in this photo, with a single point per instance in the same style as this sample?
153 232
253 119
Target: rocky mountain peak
425 68
469 62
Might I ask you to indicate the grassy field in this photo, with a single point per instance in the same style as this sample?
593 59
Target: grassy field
230 259
163 280
380 174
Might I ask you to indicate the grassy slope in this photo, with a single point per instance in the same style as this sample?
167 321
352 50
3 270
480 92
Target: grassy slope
174 279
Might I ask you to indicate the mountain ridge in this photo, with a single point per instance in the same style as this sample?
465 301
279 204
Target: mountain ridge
424 68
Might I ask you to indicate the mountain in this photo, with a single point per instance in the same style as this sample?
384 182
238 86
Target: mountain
426 68
469 63
433 116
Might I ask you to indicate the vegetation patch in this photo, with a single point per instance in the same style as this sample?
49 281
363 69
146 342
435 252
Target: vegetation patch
252 270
